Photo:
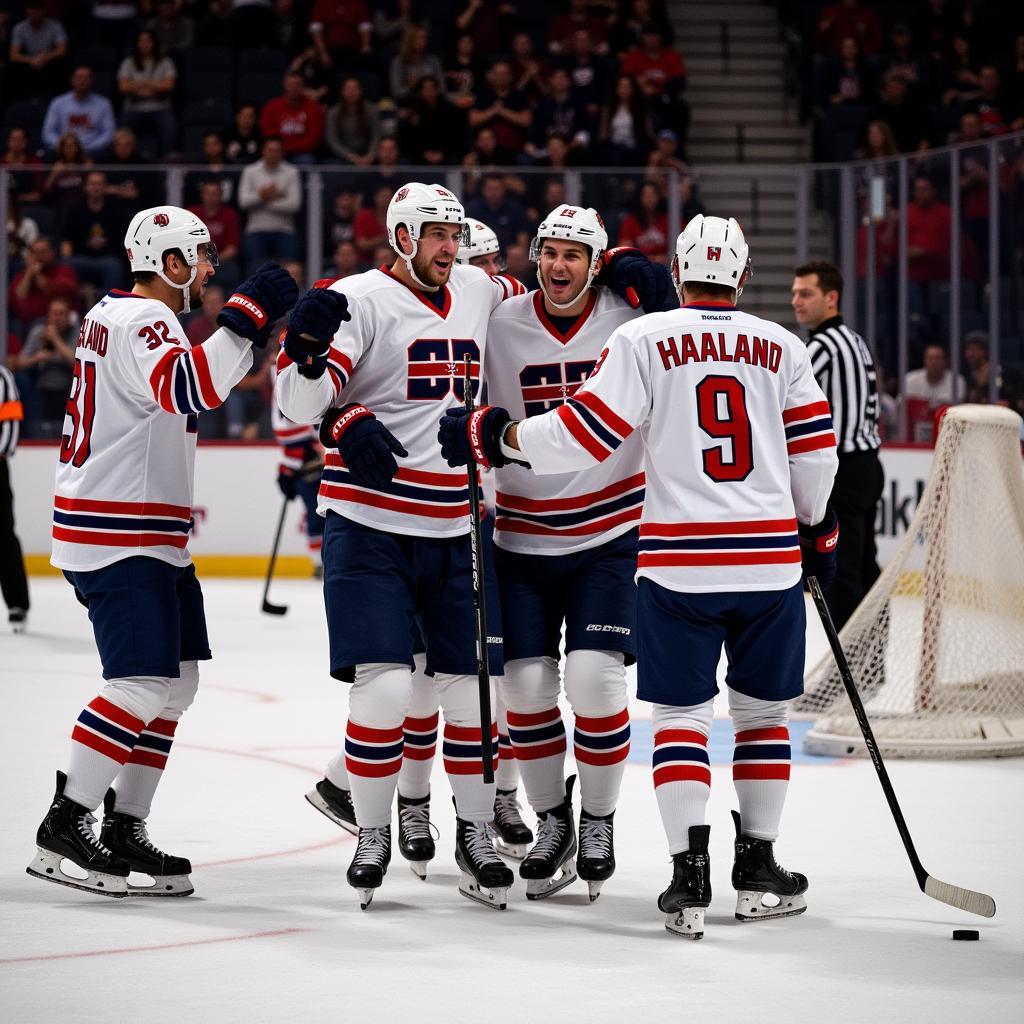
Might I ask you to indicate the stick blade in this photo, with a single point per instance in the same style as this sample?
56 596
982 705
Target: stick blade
963 899
274 609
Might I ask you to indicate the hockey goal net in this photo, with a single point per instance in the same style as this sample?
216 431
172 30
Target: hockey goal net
937 646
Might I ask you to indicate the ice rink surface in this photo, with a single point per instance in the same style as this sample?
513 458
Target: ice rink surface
274 933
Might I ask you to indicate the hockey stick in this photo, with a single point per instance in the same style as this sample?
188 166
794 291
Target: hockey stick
483 674
963 899
268 607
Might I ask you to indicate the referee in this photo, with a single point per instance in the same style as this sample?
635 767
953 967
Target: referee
843 366
13 583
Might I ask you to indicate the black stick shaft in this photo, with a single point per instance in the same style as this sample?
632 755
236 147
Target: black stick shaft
273 550
865 728
483 674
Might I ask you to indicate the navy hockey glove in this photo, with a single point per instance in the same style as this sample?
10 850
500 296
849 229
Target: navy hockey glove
638 280
468 437
818 545
258 302
366 445
312 325
287 482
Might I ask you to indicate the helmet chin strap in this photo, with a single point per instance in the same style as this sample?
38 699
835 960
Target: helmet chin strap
407 260
185 289
572 301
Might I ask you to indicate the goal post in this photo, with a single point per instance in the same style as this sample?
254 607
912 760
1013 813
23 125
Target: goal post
937 645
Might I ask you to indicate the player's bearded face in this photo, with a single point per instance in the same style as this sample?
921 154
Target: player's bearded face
435 253
564 267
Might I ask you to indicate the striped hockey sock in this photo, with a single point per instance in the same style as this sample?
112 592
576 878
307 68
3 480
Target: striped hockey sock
136 783
373 758
101 742
507 775
463 761
538 740
760 773
601 746
420 745
682 782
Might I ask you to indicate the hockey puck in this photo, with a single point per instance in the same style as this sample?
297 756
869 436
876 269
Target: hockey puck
965 935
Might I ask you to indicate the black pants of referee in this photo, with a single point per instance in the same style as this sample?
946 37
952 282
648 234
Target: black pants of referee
855 496
13 582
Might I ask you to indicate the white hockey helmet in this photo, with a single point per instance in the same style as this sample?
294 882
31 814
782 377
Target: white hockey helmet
482 242
712 250
416 204
153 232
572 224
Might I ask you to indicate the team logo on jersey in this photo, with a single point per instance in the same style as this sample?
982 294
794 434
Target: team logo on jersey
714 252
401 194
161 220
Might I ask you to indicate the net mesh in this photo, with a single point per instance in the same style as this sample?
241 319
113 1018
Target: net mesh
937 646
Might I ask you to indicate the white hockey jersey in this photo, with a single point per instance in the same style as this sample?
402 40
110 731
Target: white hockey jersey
738 444
126 467
403 358
531 369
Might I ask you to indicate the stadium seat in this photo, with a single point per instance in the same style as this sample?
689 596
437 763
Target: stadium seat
201 85
207 58
212 112
258 86
262 59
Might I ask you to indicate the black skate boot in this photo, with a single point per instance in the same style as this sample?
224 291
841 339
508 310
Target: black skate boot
485 877
370 863
66 833
512 836
554 852
689 894
415 840
126 836
756 877
334 803
596 861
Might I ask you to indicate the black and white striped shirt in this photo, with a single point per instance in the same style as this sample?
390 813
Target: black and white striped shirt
845 370
10 413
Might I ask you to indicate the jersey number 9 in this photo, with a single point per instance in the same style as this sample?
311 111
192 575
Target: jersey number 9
722 414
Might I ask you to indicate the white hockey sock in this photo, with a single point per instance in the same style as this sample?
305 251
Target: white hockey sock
595 683
682 770
136 783
507 775
106 732
420 731
760 763
463 753
336 772
536 730
378 703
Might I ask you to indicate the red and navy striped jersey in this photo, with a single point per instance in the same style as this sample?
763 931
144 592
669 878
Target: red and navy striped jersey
126 465
737 437
402 356
532 368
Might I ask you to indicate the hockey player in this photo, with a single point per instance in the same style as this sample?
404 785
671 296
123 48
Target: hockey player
739 460
566 556
121 520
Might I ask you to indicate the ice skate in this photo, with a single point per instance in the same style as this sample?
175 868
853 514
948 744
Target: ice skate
66 833
334 803
485 877
126 837
689 893
18 619
763 889
554 852
415 839
370 863
512 836
596 861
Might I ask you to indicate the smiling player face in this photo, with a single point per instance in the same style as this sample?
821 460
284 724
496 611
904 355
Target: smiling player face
435 253
563 267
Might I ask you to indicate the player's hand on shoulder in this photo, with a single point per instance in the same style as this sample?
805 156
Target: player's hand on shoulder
366 445
468 437
818 546
638 280
258 302
312 325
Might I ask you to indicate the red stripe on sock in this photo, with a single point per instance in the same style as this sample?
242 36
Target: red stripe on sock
524 721
757 772
474 767
100 745
467 734
682 773
680 736
373 770
539 750
148 758
117 715
419 753
365 734
162 726
778 732
421 724
610 723
601 757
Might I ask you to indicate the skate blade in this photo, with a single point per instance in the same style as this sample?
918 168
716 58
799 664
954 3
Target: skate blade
687 921
750 906
542 888
595 888
46 865
162 885
514 851
314 797
365 897
419 869
496 898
